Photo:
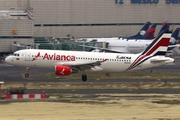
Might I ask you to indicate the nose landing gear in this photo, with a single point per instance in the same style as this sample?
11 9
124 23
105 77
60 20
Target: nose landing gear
27 72
26 75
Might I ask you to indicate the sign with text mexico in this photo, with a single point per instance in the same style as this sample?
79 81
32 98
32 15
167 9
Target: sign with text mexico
148 1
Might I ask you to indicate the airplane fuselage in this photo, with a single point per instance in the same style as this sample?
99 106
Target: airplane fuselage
67 62
113 62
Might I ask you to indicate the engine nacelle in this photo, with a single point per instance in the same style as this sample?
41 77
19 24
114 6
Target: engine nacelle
62 70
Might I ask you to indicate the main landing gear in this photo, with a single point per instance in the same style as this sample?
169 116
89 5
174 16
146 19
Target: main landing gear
84 77
27 72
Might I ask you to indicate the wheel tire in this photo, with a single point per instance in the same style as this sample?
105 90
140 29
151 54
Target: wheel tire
84 77
26 75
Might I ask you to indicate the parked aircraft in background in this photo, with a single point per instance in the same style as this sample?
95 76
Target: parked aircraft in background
148 35
140 34
150 32
133 46
165 27
68 62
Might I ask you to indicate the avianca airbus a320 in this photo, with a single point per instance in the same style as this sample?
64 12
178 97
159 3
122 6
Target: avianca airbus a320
68 62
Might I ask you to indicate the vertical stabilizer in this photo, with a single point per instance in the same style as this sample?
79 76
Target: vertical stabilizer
141 33
150 32
165 27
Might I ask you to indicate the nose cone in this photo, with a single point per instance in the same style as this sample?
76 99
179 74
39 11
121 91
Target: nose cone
8 60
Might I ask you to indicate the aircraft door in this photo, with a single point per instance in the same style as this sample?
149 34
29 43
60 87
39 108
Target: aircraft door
27 56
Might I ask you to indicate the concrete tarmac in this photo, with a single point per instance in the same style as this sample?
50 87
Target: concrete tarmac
105 91
10 73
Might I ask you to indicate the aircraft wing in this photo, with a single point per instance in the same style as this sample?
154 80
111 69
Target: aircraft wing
81 65
106 49
123 50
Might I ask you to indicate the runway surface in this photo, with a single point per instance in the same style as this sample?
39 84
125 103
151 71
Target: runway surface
10 73
104 91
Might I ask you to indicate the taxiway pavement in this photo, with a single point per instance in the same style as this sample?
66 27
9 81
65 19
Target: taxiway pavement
10 73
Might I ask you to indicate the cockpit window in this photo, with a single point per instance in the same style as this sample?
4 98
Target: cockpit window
15 54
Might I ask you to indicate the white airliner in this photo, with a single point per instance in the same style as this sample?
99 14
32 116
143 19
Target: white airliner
131 46
68 62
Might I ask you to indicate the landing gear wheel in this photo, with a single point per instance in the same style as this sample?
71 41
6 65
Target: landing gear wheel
84 77
27 72
26 75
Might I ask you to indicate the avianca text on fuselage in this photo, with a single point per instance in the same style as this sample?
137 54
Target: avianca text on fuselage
59 57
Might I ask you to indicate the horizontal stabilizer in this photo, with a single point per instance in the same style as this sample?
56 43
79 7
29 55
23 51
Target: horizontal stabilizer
160 60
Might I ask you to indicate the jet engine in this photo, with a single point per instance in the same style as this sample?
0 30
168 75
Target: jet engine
62 70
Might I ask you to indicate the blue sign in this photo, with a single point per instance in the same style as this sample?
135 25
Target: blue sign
119 1
148 1
144 1
172 1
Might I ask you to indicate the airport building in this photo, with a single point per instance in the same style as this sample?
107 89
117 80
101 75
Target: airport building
22 20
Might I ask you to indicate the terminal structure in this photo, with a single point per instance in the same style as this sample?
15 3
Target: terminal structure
32 23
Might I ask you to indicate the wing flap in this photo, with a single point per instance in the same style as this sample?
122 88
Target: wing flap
94 63
81 65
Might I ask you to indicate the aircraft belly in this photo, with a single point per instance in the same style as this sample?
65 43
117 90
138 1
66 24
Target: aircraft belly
114 67
47 64
147 64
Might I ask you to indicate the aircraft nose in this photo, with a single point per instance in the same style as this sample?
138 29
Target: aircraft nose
8 60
